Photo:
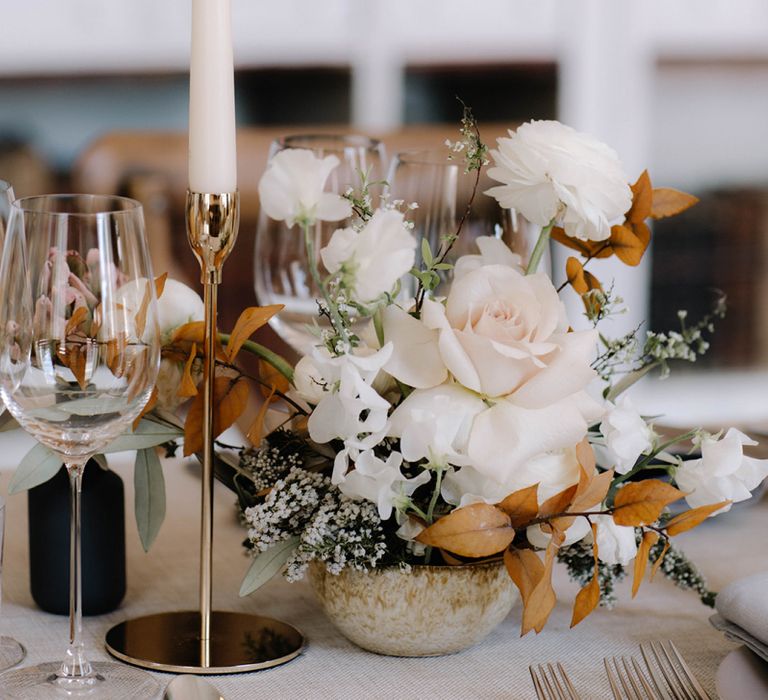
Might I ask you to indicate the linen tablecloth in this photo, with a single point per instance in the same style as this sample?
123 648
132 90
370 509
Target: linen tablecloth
165 579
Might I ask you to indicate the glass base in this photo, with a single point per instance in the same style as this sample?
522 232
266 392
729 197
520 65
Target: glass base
111 681
11 653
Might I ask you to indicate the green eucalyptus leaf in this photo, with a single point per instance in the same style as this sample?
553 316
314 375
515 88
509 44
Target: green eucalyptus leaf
35 468
149 502
148 433
267 564
426 252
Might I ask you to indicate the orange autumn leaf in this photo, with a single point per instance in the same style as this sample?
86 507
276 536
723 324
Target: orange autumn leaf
230 397
160 284
256 430
592 490
558 503
192 332
521 506
641 503
525 568
141 314
574 272
77 317
477 530
627 245
588 249
77 361
691 518
187 386
650 538
589 596
542 599
669 202
272 379
642 199
586 456
151 403
249 321
660 558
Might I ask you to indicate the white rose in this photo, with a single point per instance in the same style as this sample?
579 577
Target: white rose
381 482
550 171
722 473
435 424
373 259
493 251
626 434
292 188
616 544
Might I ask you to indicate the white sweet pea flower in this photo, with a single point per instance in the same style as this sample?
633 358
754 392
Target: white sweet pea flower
350 409
373 259
722 473
292 188
381 482
409 530
308 381
434 424
550 171
626 434
577 531
493 251
616 544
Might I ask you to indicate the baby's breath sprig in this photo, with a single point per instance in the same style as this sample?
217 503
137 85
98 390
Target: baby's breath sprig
361 199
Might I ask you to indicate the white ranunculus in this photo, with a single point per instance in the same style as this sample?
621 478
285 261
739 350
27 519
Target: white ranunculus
722 473
549 172
435 424
493 251
373 259
177 305
292 188
381 482
616 544
626 434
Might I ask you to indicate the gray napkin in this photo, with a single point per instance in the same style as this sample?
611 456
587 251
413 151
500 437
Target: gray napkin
743 613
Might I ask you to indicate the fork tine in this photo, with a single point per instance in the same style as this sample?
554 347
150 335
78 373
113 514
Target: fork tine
631 678
624 681
612 680
567 681
550 689
674 671
641 677
670 685
556 680
687 671
537 684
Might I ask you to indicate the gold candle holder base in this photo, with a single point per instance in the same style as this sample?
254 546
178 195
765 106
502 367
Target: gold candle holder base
207 641
171 642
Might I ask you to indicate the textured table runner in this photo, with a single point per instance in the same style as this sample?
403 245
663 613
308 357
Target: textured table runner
166 579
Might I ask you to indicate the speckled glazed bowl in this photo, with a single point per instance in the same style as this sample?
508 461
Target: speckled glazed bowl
431 611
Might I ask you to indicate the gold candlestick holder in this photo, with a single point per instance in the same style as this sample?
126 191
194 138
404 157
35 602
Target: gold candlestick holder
207 641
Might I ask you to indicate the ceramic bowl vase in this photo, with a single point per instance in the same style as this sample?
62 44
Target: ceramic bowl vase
429 611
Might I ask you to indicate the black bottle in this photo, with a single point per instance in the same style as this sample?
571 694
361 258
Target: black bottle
103 541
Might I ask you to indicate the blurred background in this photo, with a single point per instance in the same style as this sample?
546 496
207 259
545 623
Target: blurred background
94 94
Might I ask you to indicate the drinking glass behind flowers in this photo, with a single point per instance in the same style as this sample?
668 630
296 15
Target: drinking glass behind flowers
79 355
282 273
441 198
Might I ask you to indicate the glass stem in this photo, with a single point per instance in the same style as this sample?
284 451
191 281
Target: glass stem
75 665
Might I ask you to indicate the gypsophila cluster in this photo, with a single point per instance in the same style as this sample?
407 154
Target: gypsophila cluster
341 534
474 151
266 465
287 509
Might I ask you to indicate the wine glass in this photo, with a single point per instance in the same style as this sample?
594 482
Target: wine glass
442 191
79 356
282 274
11 652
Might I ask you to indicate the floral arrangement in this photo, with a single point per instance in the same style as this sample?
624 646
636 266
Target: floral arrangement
471 427
481 426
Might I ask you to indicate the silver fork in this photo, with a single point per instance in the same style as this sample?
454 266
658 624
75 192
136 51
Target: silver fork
551 682
679 680
627 680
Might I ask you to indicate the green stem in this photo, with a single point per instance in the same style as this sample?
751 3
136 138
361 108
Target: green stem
279 363
378 324
336 320
433 502
538 250
621 386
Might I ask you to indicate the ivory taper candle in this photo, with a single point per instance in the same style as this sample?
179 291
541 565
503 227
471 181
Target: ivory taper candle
212 151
